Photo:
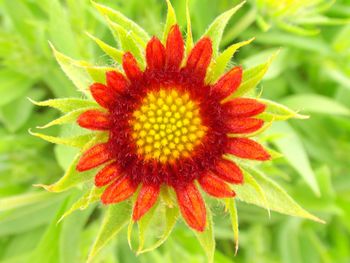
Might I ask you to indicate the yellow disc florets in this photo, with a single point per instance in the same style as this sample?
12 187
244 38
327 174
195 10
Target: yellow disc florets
167 126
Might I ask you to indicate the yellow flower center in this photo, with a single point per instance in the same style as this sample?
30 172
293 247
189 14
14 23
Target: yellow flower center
167 126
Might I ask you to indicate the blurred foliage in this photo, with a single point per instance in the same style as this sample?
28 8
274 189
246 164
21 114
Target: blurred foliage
311 73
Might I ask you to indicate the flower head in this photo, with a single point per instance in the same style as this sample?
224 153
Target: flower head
168 128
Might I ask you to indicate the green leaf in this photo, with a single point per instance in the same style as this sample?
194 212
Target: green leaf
115 219
231 207
206 238
15 114
75 141
12 85
118 18
114 53
16 221
90 197
21 200
221 62
297 29
170 20
251 78
48 248
293 150
317 104
67 118
278 112
74 71
217 27
74 232
72 177
278 200
189 37
66 105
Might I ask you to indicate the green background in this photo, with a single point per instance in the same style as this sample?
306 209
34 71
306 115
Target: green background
311 74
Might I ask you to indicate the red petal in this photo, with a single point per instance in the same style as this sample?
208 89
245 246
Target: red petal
215 187
146 199
104 95
107 175
246 148
229 172
174 51
118 191
199 58
94 157
94 120
228 83
131 69
116 81
243 107
191 206
155 54
243 125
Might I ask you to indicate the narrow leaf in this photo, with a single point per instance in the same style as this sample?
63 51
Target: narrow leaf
16 201
293 150
317 104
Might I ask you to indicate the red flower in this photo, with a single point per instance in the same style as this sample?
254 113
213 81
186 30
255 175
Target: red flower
167 127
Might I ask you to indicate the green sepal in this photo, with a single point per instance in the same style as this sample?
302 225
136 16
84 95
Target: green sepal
189 37
278 112
170 20
72 177
75 141
251 77
129 42
83 202
206 238
118 18
232 209
171 215
114 53
70 117
74 71
66 105
216 69
277 199
217 27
